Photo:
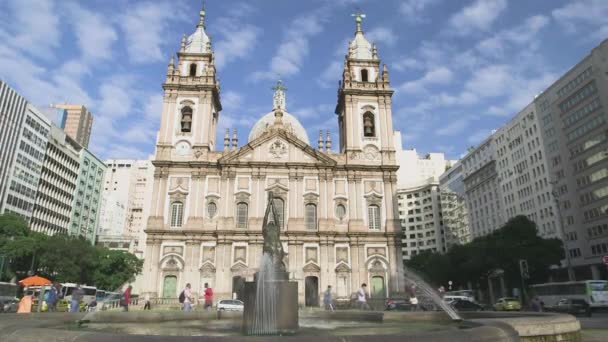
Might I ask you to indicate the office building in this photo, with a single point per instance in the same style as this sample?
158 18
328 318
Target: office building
453 207
77 122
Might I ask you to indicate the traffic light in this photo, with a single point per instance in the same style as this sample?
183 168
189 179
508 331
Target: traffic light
523 269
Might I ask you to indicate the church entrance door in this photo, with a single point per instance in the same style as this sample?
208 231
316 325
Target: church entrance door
311 291
238 287
377 288
170 287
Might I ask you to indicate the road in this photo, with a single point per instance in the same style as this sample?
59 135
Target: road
595 328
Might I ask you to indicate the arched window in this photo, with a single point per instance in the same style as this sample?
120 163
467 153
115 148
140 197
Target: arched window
369 125
364 77
310 217
340 211
373 217
177 214
279 206
186 119
241 215
193 69
211 209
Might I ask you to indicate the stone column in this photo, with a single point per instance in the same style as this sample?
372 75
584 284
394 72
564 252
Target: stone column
152 283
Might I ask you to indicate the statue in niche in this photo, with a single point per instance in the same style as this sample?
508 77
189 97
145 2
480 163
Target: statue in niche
271 234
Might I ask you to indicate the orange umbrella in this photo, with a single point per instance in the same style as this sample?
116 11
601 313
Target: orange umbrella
35 281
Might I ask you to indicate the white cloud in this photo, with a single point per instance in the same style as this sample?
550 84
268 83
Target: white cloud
412 10
94 32
153 107
331 75
478 16
525 34
145 27
478 136
453 128
439 75
237 39
32 26
314 112
383 35
490 81
117 96
295 45
584 13
407 63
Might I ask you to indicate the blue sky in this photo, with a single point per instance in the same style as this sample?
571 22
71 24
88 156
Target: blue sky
459 68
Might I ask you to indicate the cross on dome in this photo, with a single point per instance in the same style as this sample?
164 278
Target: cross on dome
360 48
278 99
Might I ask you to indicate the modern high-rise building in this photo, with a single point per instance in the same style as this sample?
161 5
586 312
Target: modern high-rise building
12 116
127 188
453 207
28 157
77 122
58 182
419 203
87 197
523 176
482 186
573 123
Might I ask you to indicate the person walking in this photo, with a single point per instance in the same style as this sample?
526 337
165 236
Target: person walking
362 297
52 298
126 299
327 299
208 295
77 296
414 303
186 298
147 305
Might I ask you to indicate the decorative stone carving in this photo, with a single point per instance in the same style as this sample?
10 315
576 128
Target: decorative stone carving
342 268
278 149
342 254
377 267
371 152
311 268
208 253
207 270
311 255
179 250
240 254
376 251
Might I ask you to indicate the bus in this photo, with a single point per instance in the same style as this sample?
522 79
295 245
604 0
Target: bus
594 292
89 292
8 291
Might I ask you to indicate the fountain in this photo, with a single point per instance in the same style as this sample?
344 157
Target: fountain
271 300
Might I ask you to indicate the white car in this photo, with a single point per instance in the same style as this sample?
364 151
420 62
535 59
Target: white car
230 305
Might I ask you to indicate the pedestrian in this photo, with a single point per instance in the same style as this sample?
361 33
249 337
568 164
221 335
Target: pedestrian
147 305
52 298
362 297
77 295
414 303
208 295
327 299
126 299
186 298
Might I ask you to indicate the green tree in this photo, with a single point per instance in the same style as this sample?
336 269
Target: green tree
115 268
517 239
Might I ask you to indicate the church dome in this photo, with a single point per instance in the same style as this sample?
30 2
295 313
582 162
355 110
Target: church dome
290 123
198 42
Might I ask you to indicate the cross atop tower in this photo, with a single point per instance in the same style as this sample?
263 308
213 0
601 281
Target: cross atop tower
279 96
358 18
201 22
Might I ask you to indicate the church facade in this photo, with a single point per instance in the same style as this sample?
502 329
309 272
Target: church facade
337 210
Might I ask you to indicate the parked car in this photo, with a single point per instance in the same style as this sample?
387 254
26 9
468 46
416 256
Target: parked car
466 305
8 305
507 304
572 307
398 305
230 305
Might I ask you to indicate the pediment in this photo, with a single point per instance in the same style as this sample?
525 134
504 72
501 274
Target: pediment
238 267
277 147
311 267
342 267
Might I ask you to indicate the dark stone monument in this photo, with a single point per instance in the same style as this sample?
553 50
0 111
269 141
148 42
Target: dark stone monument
286 291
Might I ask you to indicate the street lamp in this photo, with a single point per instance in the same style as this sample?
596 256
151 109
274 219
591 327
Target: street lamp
571 275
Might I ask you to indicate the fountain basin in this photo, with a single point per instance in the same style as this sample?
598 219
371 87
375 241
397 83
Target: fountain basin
320 325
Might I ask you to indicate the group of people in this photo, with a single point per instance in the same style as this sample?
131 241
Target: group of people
361 298
186 298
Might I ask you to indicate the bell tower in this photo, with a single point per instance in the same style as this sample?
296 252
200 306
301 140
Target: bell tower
364 111
191 101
